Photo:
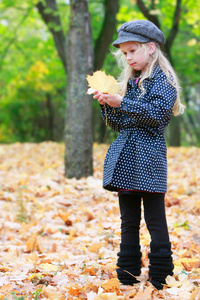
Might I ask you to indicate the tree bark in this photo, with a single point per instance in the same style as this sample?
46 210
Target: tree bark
146 12
174 29
175 132
78 128
174 126
49 104
77 61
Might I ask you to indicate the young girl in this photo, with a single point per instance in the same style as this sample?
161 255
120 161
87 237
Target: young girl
135 165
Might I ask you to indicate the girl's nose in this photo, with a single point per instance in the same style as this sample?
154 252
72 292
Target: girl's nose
128 56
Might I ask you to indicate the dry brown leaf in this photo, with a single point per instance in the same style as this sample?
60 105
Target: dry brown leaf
32 244
86 252
95 247
194 294
112 285
91 271
188 263
48 293
107 296
74 290
148 292
90 216
54 247
32 257
139 295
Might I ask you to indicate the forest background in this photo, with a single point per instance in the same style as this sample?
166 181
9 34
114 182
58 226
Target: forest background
60 235
41 50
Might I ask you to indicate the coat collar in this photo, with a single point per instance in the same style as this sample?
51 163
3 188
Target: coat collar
155 71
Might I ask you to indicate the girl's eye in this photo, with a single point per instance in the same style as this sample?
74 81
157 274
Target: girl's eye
125 53
132 50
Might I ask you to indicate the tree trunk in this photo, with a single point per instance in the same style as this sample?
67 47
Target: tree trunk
78 126
175 132
50 110
99 126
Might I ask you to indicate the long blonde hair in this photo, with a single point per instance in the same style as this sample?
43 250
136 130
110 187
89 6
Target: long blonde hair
157 57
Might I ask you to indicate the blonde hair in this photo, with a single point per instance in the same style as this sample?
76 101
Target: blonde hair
157 57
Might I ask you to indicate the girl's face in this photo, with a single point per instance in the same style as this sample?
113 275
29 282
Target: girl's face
135 55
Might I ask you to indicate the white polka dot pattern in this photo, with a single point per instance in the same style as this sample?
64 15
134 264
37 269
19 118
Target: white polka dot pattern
136 160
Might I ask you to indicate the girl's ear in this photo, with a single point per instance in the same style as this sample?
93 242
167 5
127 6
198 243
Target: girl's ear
152 48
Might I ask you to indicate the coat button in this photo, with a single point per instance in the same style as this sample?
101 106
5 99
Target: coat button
125 107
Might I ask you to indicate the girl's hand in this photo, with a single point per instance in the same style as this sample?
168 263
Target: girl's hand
111 100
99 96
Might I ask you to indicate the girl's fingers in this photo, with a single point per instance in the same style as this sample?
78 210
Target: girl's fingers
102 102
100 97
97 94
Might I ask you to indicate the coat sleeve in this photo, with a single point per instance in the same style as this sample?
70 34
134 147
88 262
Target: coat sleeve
112 116
151 108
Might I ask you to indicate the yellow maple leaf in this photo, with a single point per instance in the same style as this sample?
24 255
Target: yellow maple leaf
99 81
49 267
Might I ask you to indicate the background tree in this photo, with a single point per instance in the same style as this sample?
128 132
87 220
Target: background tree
78 124
77 60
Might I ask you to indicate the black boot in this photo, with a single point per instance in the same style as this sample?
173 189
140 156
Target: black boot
129 260
160 263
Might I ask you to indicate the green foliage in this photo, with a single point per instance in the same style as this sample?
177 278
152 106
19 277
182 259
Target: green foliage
32 79
183 224
36 294
96 9
128 11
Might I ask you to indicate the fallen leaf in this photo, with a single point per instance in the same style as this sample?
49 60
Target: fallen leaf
32 244
172 282
49 267
91 271
74 290
95 247
107 296
111 285
33 188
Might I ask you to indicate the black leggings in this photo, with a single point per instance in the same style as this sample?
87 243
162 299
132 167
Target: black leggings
154 214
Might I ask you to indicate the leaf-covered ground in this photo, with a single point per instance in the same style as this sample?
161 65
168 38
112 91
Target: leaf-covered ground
59 237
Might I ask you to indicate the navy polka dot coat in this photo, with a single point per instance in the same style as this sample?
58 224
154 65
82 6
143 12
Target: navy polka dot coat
136 160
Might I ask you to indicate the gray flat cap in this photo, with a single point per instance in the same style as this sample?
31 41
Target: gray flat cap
142 31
